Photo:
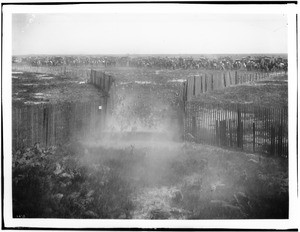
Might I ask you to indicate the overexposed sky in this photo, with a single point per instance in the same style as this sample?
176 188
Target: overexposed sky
150 33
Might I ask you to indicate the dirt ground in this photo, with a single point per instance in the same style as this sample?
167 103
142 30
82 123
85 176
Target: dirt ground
271 91
37 88
167 84
268 92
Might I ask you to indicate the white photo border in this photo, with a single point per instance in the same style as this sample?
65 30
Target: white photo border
288 9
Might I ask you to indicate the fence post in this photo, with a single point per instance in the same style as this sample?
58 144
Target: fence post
253 137
45 125
280 141
194 86
184 92
217 133
186 89
194 127
242 135
239 128
103 83
224 77
212 82
230 133
183 110
205 84
236 79
201 84
223 132
272 140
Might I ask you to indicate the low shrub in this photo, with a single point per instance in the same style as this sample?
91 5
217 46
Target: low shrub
55 183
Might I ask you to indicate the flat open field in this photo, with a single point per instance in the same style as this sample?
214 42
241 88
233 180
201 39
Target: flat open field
37 88
165 83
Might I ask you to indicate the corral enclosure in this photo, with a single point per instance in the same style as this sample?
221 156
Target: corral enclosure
142 149
252 128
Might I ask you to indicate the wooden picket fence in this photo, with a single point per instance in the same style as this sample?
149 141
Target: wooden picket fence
56 124
53 124
208 81
106 84
249 128
103 81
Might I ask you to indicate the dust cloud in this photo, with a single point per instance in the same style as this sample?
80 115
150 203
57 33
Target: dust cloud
139 116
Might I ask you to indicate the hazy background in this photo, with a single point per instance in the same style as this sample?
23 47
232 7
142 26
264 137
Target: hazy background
134 33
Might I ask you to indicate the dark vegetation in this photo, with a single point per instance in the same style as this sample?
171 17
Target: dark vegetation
61 183
180 182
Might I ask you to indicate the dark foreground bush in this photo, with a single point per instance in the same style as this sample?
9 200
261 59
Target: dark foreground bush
226 185
56 183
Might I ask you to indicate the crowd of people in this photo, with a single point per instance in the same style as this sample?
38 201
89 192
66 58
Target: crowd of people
249 63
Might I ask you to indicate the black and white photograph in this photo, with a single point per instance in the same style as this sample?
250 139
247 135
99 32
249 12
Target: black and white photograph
149 115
